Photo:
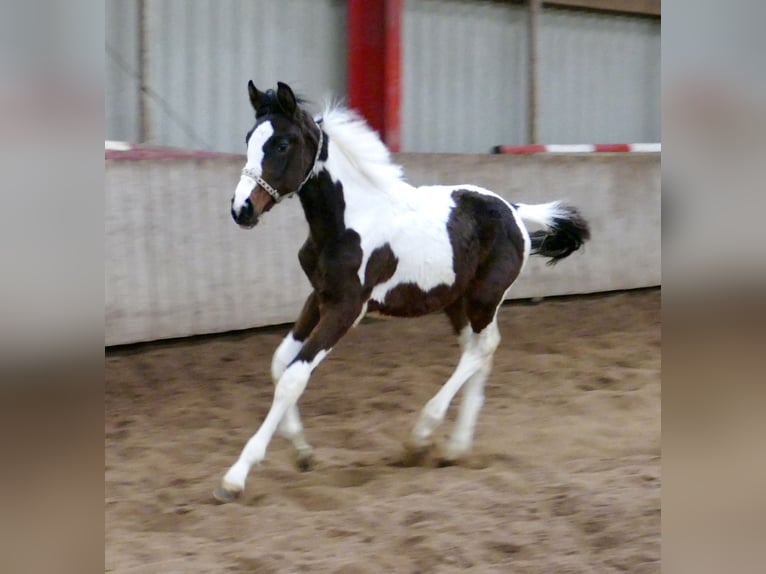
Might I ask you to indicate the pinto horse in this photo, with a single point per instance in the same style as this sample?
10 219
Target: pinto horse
376 243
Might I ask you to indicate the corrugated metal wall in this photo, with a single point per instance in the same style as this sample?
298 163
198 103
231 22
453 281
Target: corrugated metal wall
203 52
122 90
464 73
599 78
465 76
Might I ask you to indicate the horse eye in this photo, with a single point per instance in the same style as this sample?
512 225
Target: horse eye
282 147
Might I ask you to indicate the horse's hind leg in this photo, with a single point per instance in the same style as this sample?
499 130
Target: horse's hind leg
482 304
477 347
471 402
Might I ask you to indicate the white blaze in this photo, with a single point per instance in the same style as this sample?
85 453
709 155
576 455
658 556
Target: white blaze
258 138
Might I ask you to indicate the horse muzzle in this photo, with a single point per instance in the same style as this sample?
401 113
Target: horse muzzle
246 217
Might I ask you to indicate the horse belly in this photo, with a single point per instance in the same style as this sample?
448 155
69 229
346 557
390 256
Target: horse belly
424 279
409 300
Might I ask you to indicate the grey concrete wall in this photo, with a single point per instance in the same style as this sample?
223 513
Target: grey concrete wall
176 265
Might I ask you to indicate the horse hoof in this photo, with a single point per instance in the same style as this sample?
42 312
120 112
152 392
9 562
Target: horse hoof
444 461
451 457
305 461
223 494
416 455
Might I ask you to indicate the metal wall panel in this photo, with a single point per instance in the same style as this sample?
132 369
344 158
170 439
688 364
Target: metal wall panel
122 86
205 51
463 67
599 78
464 75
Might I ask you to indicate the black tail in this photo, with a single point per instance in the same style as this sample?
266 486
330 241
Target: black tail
565 229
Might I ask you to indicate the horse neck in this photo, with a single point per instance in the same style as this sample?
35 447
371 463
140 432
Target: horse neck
323 205
338 189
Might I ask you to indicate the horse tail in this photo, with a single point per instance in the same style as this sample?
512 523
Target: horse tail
564 229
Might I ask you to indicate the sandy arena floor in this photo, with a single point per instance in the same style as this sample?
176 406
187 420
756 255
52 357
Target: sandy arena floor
565 475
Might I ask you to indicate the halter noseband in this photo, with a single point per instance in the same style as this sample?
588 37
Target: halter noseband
250 172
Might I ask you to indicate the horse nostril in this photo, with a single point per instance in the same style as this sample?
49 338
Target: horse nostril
247 211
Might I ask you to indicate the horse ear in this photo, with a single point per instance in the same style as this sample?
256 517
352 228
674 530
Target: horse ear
286 99
256 97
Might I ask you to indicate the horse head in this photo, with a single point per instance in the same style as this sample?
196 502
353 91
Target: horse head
283 148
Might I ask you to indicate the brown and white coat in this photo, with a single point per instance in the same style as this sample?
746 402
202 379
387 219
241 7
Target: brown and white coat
376 243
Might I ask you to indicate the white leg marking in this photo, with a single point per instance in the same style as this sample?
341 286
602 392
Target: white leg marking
287 351
477 350
473 395
473 399
290 427
433 412
288 390
361 315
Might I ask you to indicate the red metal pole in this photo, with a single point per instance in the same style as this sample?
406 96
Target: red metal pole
374 64
393 74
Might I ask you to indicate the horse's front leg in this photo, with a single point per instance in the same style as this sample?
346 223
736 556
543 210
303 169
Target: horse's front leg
291 427
335 320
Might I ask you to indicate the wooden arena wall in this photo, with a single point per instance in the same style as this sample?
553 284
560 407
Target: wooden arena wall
177 265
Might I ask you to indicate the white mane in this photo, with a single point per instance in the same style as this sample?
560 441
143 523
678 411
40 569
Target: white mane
360 145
